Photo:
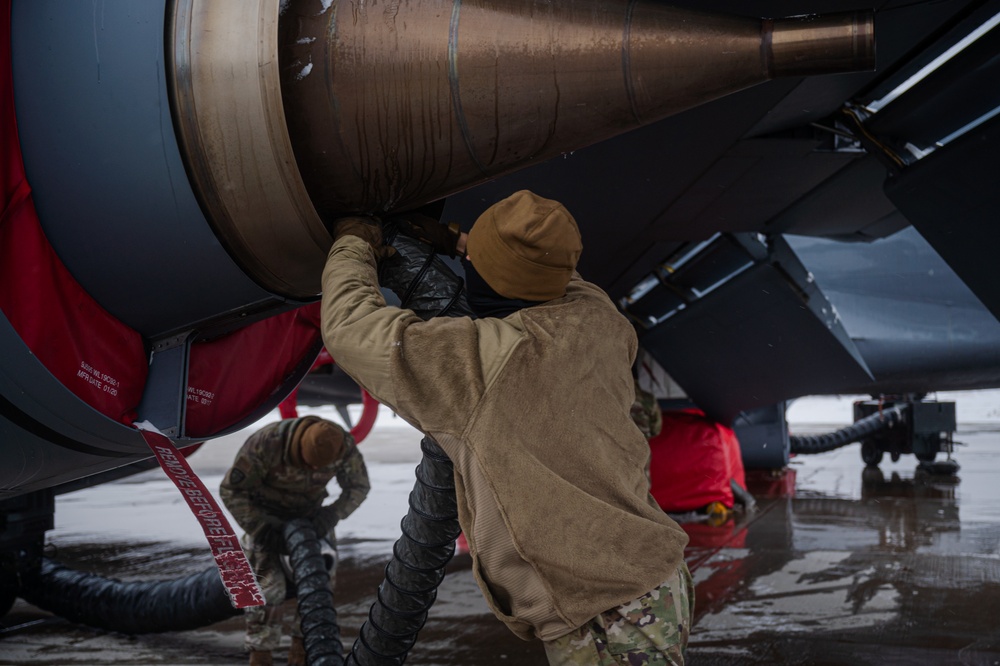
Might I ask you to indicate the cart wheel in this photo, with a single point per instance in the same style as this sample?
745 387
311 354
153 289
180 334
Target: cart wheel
871 454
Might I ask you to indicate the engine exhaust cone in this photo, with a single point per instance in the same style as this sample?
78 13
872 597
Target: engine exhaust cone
387 106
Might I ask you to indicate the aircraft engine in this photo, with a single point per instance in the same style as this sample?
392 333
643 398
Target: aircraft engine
172 167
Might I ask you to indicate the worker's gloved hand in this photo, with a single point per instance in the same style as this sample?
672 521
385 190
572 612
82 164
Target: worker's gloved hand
324 520
442 237
365 228
368 230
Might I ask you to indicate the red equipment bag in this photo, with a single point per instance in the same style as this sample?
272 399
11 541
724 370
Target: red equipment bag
692 462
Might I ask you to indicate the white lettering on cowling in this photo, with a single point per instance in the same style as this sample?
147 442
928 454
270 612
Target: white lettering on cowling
200 396
102 381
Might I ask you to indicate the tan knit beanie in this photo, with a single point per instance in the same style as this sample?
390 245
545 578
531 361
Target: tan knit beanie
525 247
318 444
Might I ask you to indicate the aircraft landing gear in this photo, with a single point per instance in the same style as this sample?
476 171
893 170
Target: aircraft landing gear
925 430
8 584
23 522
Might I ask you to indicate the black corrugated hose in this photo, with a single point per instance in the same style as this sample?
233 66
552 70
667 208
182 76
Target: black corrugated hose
858 430
190 602
416 569
425 284
137 607
317 614
421 279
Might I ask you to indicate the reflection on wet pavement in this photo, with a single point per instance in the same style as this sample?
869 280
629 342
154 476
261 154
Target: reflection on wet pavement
859 566
840 565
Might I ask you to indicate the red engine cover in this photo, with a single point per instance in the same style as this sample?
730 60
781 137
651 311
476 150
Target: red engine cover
99 359
231 376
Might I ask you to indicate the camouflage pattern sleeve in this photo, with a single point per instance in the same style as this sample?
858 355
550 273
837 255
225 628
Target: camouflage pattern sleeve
655 416
645 412
353 481
241 483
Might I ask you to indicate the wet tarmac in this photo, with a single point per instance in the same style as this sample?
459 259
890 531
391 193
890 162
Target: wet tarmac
839 565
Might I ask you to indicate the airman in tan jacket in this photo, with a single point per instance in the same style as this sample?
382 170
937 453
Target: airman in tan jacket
532 406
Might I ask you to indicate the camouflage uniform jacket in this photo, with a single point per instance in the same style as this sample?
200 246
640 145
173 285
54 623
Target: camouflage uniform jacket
264 488
533 410
646 413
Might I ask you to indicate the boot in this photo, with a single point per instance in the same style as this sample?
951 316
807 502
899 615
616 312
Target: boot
297 652
261 658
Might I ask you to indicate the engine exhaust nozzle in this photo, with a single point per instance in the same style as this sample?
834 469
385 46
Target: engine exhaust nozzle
389 105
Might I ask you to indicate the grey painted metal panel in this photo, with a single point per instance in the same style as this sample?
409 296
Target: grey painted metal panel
753 182
918 326
754 342
951 196
619 190
850 202
164 402
107 176
763 437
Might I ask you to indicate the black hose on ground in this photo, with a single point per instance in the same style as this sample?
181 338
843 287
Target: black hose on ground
189 602
860 429
317 615
416 569
137 607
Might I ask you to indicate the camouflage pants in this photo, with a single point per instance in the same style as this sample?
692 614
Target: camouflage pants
264 623
649 631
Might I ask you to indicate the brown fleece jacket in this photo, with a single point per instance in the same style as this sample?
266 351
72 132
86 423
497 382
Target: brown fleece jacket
533 409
